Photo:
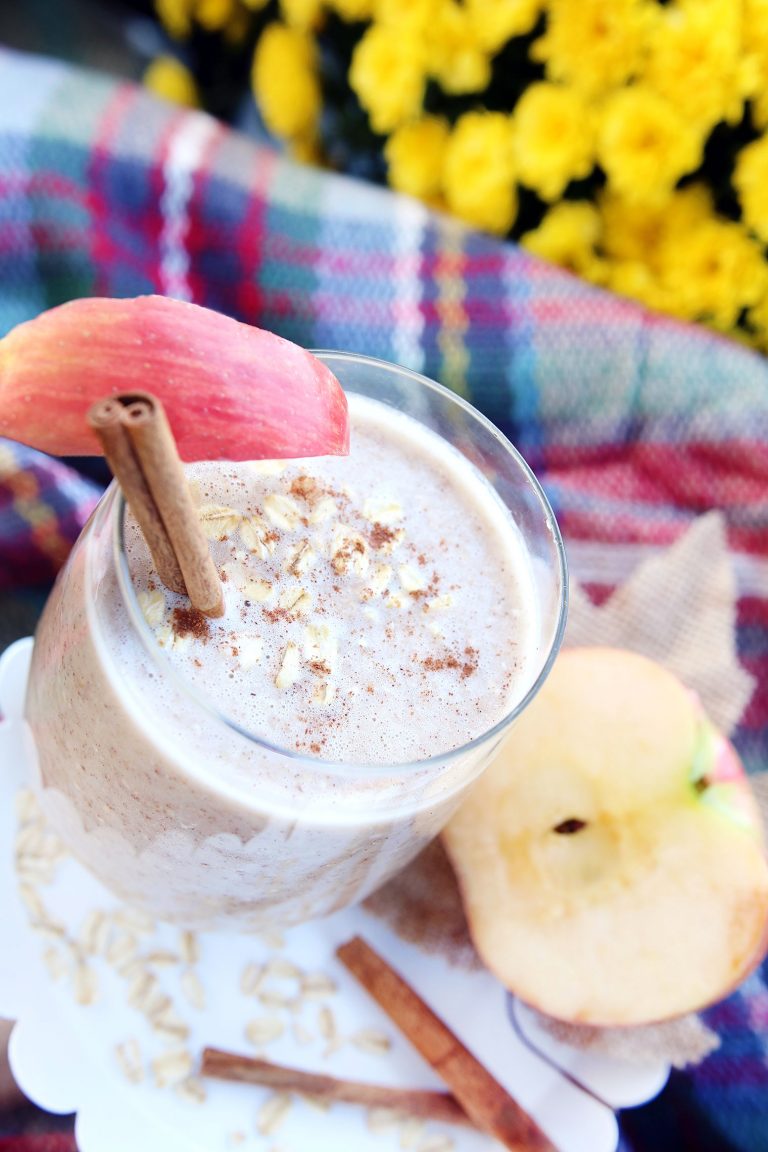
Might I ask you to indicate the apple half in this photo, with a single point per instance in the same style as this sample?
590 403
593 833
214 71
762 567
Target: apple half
611 858
231 391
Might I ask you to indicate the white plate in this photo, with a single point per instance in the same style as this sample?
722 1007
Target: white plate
64 1054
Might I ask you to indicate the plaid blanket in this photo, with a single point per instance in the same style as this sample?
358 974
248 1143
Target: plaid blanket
634 423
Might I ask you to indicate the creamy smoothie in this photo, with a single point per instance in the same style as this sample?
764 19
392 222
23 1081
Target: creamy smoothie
283 760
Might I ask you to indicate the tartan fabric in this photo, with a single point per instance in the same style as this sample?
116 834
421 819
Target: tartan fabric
635 424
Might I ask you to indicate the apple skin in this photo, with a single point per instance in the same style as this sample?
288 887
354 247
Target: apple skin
611 859
231 391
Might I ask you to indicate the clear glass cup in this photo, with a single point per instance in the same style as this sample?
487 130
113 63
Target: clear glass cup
121 775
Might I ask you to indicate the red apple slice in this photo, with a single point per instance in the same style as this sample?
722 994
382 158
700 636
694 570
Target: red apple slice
231 391
611 859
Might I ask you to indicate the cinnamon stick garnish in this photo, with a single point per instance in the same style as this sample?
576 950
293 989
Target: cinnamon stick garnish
106 420
484 1100
140 449
426 1105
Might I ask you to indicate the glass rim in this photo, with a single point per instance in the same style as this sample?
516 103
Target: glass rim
345 767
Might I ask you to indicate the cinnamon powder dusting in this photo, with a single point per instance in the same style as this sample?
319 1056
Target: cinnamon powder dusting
190 622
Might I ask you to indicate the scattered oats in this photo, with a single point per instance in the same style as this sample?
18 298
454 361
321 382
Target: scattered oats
290 667
162 959
132 968
172 1067
169 1025
317 984
27 808
167 637
369 1040
295 600
301 1034
321 644
395 600
300 559
437 1142
193 989
327 1023
323 695
273 1112
349 551
284 968
141 988
438 603
410 579
258 590
411 1130
123 947
325 509
251 979
56 963
218 522
134 919
128 1055
155 1004
255 534
152 605
188 944
380 578
271 998
36 869
380 1118
95 933
32 902
249 651
282 511
49 930
192 1089
85 985
382 510
264 1029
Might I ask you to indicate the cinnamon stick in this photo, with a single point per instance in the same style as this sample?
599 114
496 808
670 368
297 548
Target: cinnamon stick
425 1104
484 1100
106 420
155 448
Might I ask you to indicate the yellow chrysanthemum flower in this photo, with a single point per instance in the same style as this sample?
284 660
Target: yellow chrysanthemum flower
750 179
285 82
479 171
456 59
714 272
554 138
387 74
568 235
213 15
176 16
638 281
755 53
497 21
352 10
169 78
304 14
409 17
414 154
695 60
644 146
596 45
633 232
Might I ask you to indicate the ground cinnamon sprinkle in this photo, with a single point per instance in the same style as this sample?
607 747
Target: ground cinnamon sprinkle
380 536
319 667
190 622
304 488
